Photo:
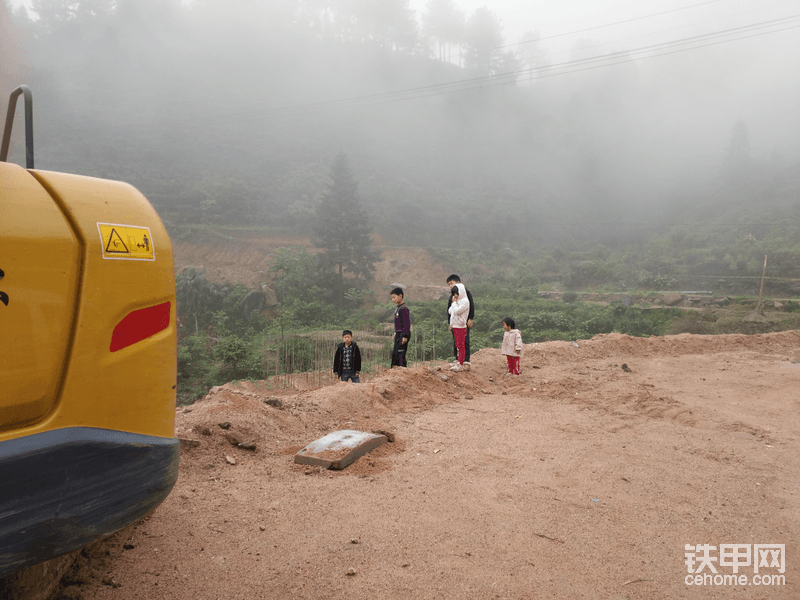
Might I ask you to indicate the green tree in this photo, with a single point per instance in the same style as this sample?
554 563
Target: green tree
483 39
530 54
737 165
65 17
390 23
443 23
295 270
393 24
197 297
343 232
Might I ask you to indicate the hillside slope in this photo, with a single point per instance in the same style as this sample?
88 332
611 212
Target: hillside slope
246 259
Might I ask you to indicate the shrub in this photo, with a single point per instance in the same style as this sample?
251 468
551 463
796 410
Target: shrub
569 297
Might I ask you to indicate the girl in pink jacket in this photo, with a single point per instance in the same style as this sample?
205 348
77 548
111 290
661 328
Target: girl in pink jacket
512 346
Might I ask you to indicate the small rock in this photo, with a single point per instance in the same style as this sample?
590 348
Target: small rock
491 378
353 541
187 410
234 439
443 377
274 402
214 390
626 368
468 396
505 393
110 582
351 572
187 443
225 425
128 546
230 460
381 390
247 446
262 527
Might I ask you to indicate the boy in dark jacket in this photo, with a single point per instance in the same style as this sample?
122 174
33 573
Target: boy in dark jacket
402 328
347 360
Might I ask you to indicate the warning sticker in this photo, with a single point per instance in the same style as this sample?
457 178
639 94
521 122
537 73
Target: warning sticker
128 242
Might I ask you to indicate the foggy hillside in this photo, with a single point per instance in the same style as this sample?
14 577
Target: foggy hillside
232 113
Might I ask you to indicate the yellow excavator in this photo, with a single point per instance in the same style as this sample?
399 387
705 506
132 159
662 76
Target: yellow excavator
87 360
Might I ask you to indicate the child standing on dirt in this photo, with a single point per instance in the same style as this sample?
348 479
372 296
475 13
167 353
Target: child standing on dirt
347 360
453 280
512 346
459 310
402 329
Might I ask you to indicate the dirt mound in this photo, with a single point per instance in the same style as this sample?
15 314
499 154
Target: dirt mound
585 477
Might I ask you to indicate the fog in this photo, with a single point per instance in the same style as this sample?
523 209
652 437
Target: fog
234 111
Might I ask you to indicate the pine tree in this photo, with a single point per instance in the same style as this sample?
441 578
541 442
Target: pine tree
343 232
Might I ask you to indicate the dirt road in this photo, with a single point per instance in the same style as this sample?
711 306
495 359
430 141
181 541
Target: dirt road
577 480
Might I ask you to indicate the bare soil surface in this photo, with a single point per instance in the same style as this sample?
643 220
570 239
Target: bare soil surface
246 260
579 479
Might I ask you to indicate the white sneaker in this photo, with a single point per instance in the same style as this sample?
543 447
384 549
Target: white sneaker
467 366
456 367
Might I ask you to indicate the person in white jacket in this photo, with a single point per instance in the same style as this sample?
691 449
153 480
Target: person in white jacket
459 309
512 346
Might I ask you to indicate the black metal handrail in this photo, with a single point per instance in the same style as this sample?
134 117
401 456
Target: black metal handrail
12 106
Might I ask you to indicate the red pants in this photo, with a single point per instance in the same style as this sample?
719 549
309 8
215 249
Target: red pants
459 334
513 364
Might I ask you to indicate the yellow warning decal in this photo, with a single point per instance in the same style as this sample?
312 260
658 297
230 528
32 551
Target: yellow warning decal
129 242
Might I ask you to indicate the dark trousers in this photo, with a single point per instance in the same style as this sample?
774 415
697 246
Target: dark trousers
466 346
399 351
347 375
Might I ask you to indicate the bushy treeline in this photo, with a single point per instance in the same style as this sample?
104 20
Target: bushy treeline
724 255
219 341
540 320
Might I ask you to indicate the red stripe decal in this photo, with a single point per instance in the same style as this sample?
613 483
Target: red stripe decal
139 325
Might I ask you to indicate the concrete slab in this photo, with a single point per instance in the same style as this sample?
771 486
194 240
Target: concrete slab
339 448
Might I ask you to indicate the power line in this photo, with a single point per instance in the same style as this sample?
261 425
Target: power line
658 14
564 68
511 77
679 42
462 54
650 34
